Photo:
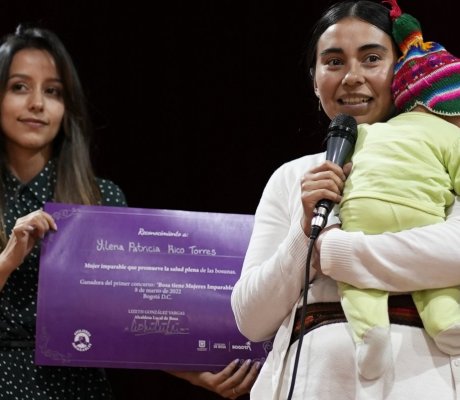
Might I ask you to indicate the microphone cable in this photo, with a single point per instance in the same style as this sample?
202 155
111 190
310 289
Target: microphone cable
341 138
314 234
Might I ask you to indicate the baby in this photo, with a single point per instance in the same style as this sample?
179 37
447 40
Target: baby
406 173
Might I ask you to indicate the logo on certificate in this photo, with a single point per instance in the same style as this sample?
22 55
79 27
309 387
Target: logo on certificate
219 346
246 346
81 341
202 345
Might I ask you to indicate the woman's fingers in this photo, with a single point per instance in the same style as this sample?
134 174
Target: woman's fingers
247 374
325 181
37 223
26 232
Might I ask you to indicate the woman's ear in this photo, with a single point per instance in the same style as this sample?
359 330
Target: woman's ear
315 88
312 77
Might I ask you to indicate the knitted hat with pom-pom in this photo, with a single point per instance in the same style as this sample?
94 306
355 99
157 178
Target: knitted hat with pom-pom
426 74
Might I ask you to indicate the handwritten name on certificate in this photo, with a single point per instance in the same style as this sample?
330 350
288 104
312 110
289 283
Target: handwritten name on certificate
141 288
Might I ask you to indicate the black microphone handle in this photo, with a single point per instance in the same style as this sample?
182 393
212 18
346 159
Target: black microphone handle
338 148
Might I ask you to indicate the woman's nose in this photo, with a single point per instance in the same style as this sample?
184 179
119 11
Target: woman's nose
353 77
36 103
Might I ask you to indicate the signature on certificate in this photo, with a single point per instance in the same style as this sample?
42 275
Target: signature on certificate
163 325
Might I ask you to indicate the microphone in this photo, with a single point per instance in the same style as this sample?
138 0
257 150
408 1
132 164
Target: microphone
341 139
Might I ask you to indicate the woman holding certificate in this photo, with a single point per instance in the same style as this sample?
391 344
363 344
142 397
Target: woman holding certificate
44 147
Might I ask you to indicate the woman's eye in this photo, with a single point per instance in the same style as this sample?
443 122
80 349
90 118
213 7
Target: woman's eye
18 87
373 58
54 91
334 62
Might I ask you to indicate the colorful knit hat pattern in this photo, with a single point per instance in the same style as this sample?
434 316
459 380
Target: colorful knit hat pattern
426 74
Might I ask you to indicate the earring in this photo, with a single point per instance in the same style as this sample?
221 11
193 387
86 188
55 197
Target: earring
319 105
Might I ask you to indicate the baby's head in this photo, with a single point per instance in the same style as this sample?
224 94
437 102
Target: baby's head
426 75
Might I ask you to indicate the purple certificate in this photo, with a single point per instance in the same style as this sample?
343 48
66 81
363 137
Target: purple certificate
141 288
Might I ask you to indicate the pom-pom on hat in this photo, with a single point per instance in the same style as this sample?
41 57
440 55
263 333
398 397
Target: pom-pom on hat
426 74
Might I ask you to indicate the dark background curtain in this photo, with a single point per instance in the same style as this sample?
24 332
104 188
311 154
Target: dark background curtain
196 103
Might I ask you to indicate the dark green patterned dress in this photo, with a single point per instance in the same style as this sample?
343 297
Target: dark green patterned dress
20 378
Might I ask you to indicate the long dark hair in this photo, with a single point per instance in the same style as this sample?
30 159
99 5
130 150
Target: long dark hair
76 182
374 13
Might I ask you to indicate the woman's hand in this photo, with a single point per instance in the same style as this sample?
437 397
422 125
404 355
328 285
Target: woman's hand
26 232
233 381
325 181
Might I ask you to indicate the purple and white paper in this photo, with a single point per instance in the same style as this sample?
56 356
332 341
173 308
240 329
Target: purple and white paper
141 288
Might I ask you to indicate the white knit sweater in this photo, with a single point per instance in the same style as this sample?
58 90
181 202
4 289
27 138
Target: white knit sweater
266 296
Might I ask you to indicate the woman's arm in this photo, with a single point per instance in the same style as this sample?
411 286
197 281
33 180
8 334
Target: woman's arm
419 258
273 270
273 273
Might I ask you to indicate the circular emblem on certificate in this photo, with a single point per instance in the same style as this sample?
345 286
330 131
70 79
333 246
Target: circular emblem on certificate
81 341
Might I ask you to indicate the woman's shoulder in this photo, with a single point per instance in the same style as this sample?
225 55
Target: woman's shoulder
301 165
111 193
288 175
